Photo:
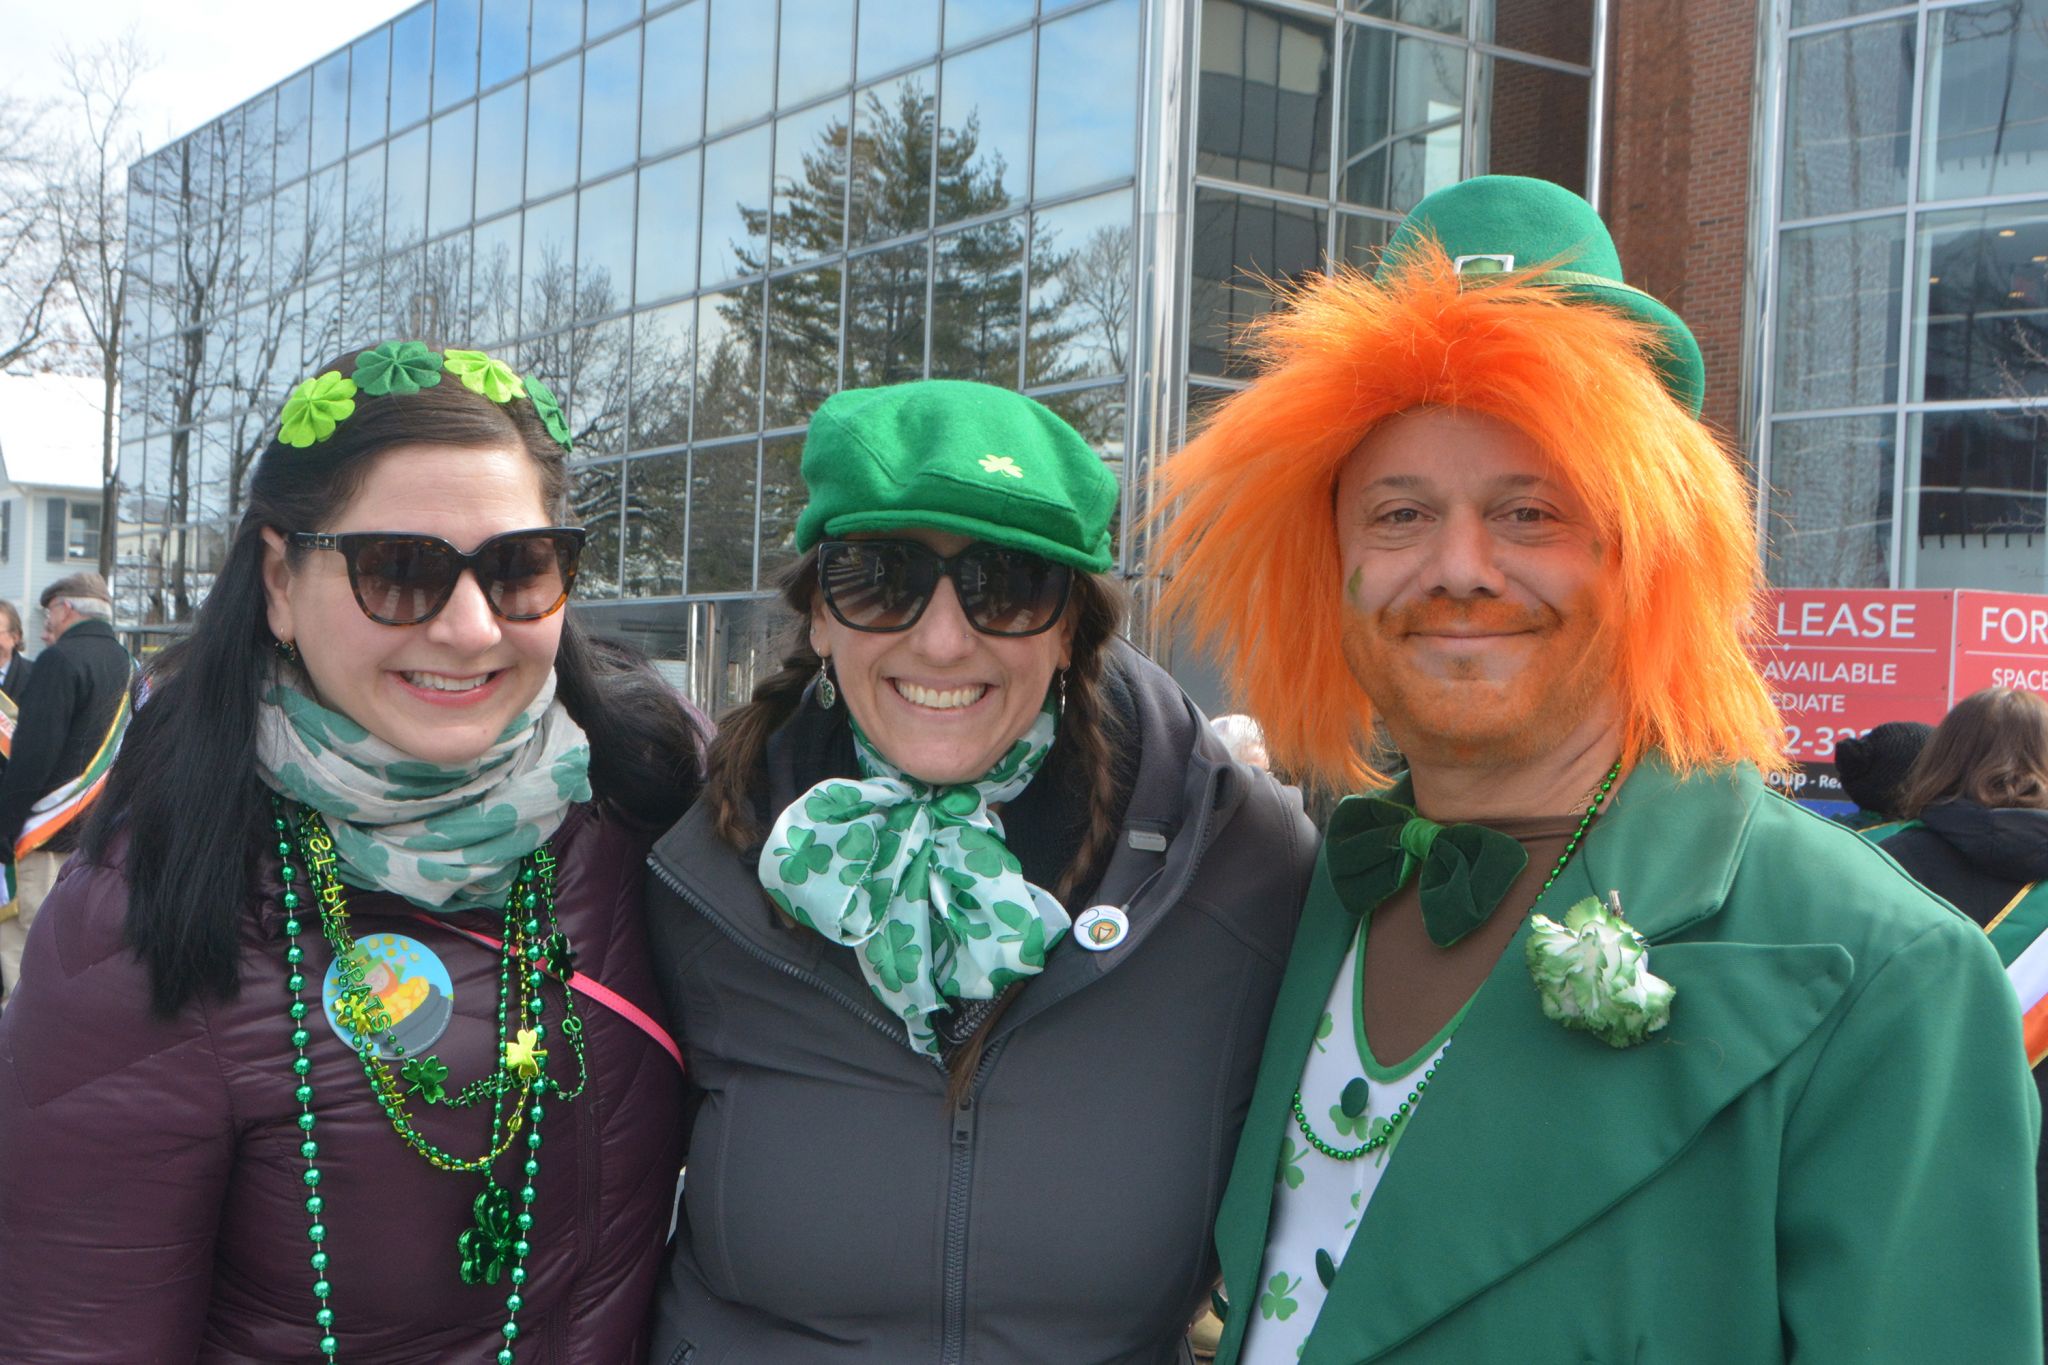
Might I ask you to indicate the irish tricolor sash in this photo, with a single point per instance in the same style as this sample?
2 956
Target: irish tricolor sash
57 809
2020 934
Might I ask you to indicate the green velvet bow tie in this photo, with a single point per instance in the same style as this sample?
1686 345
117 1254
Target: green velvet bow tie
1466 869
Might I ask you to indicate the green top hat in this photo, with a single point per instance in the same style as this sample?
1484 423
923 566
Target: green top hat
951 455
1492 224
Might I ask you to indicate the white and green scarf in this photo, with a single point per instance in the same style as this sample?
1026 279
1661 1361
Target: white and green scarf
445 838
919 879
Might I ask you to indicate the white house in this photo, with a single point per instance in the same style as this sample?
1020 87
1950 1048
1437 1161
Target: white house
49 487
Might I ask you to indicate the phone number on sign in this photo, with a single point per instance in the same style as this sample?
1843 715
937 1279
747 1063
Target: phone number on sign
1817 744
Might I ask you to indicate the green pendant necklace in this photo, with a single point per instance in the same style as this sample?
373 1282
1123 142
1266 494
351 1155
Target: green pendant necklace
1391 1125
533 945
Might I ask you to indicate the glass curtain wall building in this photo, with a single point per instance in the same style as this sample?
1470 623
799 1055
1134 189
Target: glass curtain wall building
696 221
1902 396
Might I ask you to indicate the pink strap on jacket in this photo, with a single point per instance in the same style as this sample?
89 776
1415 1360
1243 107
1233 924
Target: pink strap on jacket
589 986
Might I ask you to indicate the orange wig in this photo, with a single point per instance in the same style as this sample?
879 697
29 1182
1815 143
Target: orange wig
1249 544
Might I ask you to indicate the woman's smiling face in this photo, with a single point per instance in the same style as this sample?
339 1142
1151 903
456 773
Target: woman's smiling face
941 700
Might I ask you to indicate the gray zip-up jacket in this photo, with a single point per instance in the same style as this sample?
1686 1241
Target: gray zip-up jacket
839 1208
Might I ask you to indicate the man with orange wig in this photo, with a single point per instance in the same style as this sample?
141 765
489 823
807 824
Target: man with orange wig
1590 1046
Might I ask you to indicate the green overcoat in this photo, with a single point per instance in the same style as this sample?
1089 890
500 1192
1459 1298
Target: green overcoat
1828 1154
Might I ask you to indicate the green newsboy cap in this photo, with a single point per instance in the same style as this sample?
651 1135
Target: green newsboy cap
951 455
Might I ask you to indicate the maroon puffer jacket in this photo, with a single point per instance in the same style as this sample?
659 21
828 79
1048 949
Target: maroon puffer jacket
152 1204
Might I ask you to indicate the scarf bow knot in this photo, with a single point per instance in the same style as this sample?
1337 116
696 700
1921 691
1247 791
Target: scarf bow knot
1465 870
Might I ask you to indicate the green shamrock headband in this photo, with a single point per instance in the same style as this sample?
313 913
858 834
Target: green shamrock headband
320 404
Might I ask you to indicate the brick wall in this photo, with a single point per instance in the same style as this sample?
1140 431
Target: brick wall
1677 177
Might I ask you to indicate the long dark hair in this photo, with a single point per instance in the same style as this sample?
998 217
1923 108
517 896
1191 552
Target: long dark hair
1991 748
193 862
1087 739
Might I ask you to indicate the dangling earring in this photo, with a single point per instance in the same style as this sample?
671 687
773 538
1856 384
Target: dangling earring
1060 705
828 695
287 651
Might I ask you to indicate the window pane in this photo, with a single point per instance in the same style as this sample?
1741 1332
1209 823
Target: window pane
984 129
1982 289
1558 28
896 35
1081 288
259 150
967 20
782 502
546 298
810 183
494 281
1404 103
1979 495
1831 503
657 509
662 375
1838 315
1445 16
504 41
443 301
604 247
736 174
455 40
885 316
817 36
892 157
595 504
977 288
1237 242
1987 104
405 191
363 220
557 27
599 355
412 57
1820 11
611 103
294 126
803 345
330 109
1264 115
742 85
1359 239
722 517
453 170
672 106
1089 73
500 149
728 388
1532 121
606 15
552 98
668 229
369 85
1848 107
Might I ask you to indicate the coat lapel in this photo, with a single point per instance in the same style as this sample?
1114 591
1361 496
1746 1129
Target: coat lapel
1533 1131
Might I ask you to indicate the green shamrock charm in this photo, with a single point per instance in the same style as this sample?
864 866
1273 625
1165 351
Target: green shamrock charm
481 374
549 408
560 955
315 408
1592 972
488 1244
397 367
426 1077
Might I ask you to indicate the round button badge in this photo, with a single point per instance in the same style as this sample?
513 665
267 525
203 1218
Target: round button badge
1102 928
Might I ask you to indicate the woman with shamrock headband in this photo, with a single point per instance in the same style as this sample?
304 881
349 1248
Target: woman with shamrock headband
974 936
337 1043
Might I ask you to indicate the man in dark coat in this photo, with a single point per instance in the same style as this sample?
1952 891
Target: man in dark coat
72 710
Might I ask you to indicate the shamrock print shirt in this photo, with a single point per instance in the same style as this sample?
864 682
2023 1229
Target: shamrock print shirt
1317 1199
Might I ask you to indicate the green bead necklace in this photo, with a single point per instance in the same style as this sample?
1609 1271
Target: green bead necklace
1393 1122
533 946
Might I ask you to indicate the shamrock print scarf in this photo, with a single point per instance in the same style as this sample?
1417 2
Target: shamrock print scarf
918 878
445 838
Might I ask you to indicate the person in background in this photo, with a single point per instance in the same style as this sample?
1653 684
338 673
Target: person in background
1243 737
972 938
335 1041
1976 834
1873 768
68 727
15 666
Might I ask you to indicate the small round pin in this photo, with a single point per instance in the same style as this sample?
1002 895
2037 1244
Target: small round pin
1102 928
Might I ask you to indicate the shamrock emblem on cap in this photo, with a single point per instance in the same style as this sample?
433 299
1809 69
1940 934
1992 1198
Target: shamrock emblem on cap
1001 464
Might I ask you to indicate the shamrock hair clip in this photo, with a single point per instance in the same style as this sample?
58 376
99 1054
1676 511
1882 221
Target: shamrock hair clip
399 368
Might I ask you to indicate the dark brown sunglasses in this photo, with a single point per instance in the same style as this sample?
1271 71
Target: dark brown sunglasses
403 579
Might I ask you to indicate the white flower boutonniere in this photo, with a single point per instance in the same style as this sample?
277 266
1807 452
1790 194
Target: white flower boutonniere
1593 973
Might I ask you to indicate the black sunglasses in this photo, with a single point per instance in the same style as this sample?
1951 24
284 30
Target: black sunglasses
402 579
885 585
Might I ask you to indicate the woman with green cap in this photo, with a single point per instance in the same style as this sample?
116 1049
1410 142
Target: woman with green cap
973 935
